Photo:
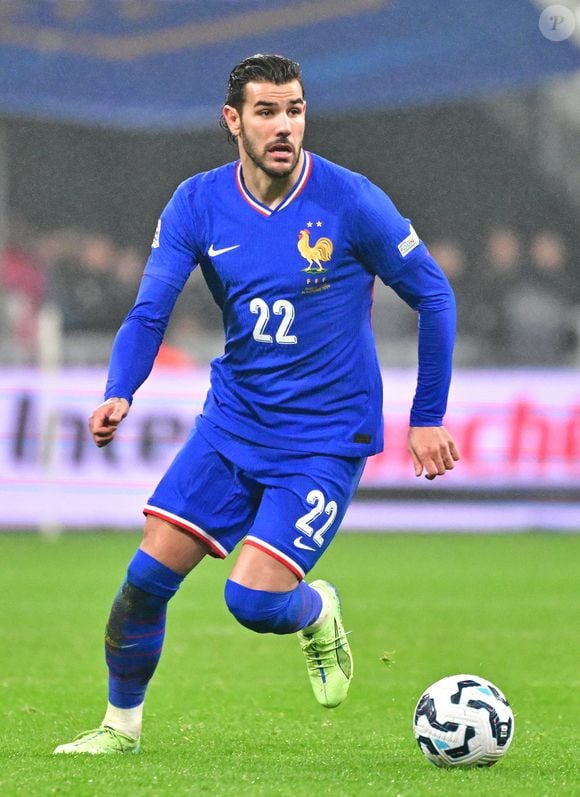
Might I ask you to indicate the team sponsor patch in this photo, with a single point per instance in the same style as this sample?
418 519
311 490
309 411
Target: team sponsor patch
155 242
409 243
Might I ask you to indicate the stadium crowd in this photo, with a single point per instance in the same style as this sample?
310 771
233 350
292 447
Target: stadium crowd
518 304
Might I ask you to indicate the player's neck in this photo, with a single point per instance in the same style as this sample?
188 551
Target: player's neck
269 190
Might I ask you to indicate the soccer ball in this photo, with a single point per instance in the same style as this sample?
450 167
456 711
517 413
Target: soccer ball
463 721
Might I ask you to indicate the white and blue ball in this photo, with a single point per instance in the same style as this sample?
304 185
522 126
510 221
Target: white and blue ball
463 721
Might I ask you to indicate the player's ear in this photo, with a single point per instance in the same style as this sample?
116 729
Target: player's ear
232 119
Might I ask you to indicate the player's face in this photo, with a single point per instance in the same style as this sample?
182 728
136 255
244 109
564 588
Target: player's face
270 129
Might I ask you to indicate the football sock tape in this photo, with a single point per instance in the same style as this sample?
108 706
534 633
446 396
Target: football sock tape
136 628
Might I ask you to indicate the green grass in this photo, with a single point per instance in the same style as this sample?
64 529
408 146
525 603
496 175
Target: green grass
231 713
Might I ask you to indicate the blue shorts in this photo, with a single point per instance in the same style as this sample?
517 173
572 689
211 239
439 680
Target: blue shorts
223 489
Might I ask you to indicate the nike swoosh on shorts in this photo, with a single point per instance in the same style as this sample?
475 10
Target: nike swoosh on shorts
299 544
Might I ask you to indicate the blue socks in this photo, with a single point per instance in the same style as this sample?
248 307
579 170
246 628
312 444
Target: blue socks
273 612
136 628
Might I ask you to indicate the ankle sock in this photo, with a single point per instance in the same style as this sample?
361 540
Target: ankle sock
126 720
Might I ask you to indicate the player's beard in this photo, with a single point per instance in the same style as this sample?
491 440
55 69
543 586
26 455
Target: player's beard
259 160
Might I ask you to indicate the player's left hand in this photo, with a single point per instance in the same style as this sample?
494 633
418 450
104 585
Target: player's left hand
432 450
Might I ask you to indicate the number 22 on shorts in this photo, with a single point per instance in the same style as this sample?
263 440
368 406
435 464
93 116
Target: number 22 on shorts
319 506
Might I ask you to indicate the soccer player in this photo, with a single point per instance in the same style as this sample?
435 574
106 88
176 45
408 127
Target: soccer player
289 245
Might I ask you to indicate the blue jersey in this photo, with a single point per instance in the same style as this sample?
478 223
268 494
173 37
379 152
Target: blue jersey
295 285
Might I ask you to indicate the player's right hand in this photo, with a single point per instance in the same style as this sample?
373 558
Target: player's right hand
106 418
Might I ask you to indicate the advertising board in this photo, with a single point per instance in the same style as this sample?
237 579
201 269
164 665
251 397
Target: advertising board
517 431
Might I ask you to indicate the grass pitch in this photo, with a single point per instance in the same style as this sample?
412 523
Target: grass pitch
231 713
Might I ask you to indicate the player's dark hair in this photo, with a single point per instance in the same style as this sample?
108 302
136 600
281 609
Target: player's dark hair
262 69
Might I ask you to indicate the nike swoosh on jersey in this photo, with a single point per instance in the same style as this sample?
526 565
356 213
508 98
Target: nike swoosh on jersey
299 544
215 252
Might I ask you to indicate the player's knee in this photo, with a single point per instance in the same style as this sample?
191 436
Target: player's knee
260 611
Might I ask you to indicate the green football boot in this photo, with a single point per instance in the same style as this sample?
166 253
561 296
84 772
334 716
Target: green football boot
100 741
328 657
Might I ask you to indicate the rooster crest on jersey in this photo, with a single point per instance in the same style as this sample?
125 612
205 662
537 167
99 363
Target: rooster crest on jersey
319 253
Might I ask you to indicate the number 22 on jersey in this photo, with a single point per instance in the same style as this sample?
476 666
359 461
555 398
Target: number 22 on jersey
281 307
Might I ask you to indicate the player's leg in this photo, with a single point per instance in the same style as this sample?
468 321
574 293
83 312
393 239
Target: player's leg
135 630
266 596
135 633
298 517
202 505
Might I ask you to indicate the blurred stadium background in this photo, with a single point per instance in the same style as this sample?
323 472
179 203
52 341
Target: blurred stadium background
467 114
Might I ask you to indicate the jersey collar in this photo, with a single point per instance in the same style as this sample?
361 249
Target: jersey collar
297 188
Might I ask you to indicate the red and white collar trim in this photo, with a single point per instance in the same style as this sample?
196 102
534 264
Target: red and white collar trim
297 189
